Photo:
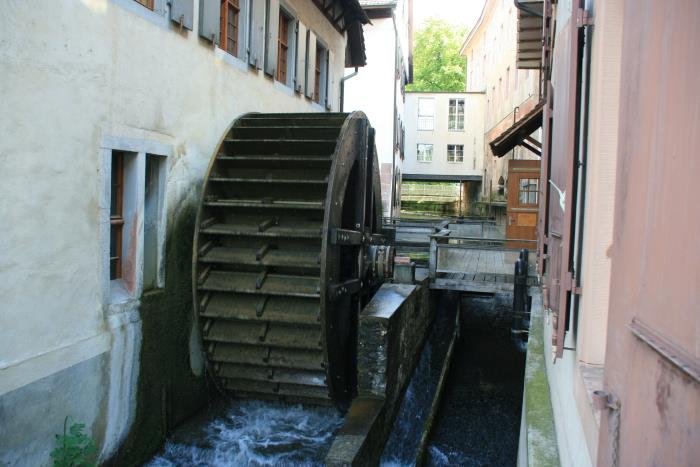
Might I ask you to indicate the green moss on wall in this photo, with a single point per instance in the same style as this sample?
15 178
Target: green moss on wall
542 448
168 392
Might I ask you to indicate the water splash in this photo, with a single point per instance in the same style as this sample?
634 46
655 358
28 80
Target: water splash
254 433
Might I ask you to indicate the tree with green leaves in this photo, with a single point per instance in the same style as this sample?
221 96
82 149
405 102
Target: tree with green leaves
437 64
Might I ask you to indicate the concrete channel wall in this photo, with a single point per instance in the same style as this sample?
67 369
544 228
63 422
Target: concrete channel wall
538 440
392 331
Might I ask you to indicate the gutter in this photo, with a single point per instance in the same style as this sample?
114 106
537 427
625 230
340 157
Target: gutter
393 146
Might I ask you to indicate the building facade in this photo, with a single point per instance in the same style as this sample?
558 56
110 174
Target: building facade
616 234
510 92
444 139
116 108
379 89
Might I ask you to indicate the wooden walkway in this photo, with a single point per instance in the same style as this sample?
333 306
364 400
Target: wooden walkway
477 269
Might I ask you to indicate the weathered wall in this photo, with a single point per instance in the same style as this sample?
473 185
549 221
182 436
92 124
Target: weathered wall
76 78
655 285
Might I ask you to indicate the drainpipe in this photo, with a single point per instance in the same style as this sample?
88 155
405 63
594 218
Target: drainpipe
526 9
393 146
342 88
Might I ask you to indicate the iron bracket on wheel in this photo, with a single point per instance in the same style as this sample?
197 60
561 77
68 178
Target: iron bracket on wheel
346 237
351 286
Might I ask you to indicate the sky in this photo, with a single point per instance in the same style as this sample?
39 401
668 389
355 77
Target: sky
458 12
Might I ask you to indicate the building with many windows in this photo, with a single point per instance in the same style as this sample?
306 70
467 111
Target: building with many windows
113 111
444 142
511 91
379 89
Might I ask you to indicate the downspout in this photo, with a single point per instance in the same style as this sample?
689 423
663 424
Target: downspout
393 146
527 9
342 88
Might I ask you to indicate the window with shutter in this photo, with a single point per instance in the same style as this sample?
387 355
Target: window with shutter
317 73
229 28
283 46
147 3
256 33
563 158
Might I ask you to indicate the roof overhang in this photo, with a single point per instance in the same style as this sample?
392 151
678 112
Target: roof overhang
519 133
347 16
442 178
529 52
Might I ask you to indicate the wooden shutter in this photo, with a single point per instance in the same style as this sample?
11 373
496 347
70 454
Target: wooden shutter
300 69
272 31
256 38
209 12
545 188
310 64
562 192
330 80
182 12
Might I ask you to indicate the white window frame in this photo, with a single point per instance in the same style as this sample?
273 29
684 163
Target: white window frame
455 118
455 152
119 290
424 156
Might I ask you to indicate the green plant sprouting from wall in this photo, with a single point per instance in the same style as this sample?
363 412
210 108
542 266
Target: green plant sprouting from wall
74 448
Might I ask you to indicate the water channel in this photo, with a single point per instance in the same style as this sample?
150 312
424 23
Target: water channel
477 422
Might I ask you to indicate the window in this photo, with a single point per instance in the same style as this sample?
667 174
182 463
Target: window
426 114
321 73
528 190
147 3
116 216
455 119
424 152
133 229
455 153
283 47
229 30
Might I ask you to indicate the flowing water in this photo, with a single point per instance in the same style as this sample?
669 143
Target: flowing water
252 433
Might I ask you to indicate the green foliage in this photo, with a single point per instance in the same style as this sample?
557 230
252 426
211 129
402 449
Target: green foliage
74 448
437 64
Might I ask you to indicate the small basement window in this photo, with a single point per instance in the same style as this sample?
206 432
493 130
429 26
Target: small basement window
136 223
116 216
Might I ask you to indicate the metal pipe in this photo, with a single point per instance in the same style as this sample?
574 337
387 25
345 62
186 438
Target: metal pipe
342 88
527 9
393 147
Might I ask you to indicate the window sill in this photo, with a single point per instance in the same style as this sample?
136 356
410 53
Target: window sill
455 162
118 294
456 131
283 88
157 16
230 59
424 162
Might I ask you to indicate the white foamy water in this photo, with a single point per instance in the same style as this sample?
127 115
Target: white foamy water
254 433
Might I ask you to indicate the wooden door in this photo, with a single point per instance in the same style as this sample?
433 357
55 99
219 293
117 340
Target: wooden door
523 203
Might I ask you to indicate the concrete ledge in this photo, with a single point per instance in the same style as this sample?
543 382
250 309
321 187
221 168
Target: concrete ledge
392 330
538 441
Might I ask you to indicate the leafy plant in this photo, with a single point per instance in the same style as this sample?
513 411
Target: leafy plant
74 448
437 63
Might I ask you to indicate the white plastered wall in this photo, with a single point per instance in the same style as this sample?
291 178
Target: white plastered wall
82 73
